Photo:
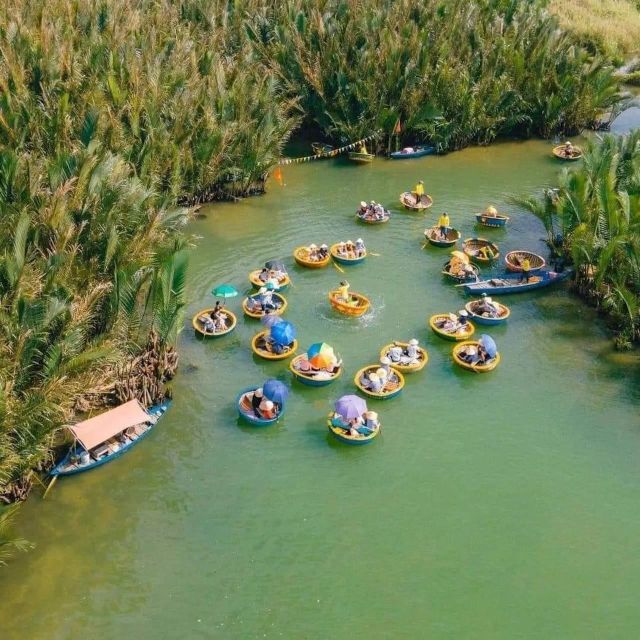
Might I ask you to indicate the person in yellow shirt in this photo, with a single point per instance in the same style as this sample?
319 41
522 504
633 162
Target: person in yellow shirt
444 224
526 270
343 291
418 192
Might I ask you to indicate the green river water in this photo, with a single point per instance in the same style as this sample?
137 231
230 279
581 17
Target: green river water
492 506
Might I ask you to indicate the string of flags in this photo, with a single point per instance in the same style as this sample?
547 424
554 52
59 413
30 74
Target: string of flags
332 153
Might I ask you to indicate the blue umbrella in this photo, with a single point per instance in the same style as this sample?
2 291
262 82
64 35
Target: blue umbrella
270 319
275 391
489 345
350 407
283 333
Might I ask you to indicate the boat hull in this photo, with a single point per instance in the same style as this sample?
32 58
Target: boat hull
491 221
557 152
199 329
257 315
407 200
453 337
543 279
480 319
298 256
478 368
346 261
432 236
347 309
268 355
311 381
384 220
383 395
406 368
417 153
251 418
339 434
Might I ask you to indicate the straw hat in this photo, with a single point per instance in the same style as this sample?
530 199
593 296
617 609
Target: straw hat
472 350
371 415
262 290
359 240
349 241
488 299
324 246
385 360
491 210
453 316
381 373
258 392
420 181
413 342
313 246
374 377
363 203
463 313
268 405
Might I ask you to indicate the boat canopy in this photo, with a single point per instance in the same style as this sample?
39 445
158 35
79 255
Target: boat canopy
90 433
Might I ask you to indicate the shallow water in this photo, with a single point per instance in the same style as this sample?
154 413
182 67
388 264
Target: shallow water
492 506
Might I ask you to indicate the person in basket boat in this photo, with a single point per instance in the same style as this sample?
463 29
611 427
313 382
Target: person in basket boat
491 212
312 253
343 292
487 307
323 252
256 400
364 209
208 323
377 381
341 250
568 150
320 373
363 425
405 355
526 270
461 269
444 224
267 343
475 354
486 253
350 248
418 191
360 248
267 409
454 323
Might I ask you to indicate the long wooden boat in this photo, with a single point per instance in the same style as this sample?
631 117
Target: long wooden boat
418 152
473 247
343 434
198 325
258 314
510 283
463 333
559 153
392 388
423 358
317 379
361 157
85 455
368 220
514 260
283 282
268 354
358 305
472 277
503 313
478 368
408 201
495 220
343 259
433 236
301 256
246 412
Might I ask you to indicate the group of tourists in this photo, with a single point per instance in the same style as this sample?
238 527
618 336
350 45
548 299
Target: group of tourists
459 267
216 320
274 277
325 372
266 343
405 355
363 425
351 250
486 307
383 379
317 253
263 301
371 211
475 354
263 407
454 324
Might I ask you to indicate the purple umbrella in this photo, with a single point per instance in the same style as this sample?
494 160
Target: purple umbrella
283 333
275 391
350 407
270 319
489 345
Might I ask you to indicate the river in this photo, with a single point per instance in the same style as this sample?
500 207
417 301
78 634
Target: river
492 506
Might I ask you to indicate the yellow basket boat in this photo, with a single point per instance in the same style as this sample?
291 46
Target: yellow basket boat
358 306
392 388
301 256
478 368
423 358
266 353
283 282
199 326
344 436
465 334
560 153
258 314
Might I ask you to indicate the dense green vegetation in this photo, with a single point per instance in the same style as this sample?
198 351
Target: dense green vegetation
594 218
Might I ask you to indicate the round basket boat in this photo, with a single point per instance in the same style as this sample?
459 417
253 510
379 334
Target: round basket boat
283 282
408 201
343 259
267 354
246 412
514 260
369 220
407 367
474 248
494 220
471 277
361 157
462 334
312 379
559 152
392 388
344 436
478 368
473 310
199 326
259 314
434 237
301 256
358 305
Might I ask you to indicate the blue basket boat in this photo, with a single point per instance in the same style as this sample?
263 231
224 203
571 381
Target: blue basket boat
245 411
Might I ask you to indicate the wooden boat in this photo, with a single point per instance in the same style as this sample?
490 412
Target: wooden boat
467 278
358 306
258 314
478 368
361 157
503 313
199 326
319 148
283 282
433 236
301 256
418 152
559 153
344 436
312 379
267 354
344 260
246 412
510 283
514 260
392 388
108 436
423 358
368 220
408 201
463 333
473 246
495 220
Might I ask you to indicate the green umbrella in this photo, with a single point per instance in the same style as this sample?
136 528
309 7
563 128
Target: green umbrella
224 291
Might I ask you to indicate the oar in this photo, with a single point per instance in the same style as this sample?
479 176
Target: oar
55 479
377 255
338 267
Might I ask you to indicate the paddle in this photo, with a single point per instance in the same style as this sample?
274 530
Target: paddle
377 255
338 267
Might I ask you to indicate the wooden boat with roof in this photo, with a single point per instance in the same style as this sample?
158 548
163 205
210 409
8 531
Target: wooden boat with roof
108 436
511 283
405 365
342 259
514 260
478 316
463 332
246 412
408 201
478 368
434 237
254 278
481 250
260 345
357 305
199 325
302 256
392 388
342 433
310 376
278 299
